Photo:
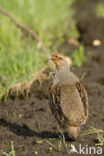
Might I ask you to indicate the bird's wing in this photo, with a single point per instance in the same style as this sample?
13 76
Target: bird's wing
54 101
83 96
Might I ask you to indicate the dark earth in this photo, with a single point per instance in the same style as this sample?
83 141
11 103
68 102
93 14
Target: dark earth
26 121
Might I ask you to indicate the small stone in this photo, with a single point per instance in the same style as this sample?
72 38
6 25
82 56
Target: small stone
20 115
96 43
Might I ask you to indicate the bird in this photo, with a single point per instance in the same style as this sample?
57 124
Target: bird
68 98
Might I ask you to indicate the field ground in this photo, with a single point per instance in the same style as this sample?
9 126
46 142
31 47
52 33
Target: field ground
26 121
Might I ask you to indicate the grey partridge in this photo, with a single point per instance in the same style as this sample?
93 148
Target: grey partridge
68 98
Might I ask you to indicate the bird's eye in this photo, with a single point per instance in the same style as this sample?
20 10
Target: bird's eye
56 56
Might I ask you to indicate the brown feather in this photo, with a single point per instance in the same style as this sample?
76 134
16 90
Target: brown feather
54 101
84 98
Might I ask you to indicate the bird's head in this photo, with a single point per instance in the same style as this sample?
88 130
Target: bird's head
57 59
60 60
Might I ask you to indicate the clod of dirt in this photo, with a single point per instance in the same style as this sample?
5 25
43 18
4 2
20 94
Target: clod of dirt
38 87
91 30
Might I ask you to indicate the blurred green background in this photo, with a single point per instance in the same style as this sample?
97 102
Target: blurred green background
20 55
52 20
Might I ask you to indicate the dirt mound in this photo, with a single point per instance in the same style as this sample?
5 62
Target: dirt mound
38 87
41 86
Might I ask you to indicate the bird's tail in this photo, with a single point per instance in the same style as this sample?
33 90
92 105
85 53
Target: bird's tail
73 131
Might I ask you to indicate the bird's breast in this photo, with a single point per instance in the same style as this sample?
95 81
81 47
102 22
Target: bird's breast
71 103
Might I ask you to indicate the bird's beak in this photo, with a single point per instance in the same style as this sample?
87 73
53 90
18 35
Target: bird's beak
50 57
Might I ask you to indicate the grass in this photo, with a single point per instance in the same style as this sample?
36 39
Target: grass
79 57
100 10
51 20
99 135
11 153
19 67
62 140
35 153
83 76
20 56
62 145
47 141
